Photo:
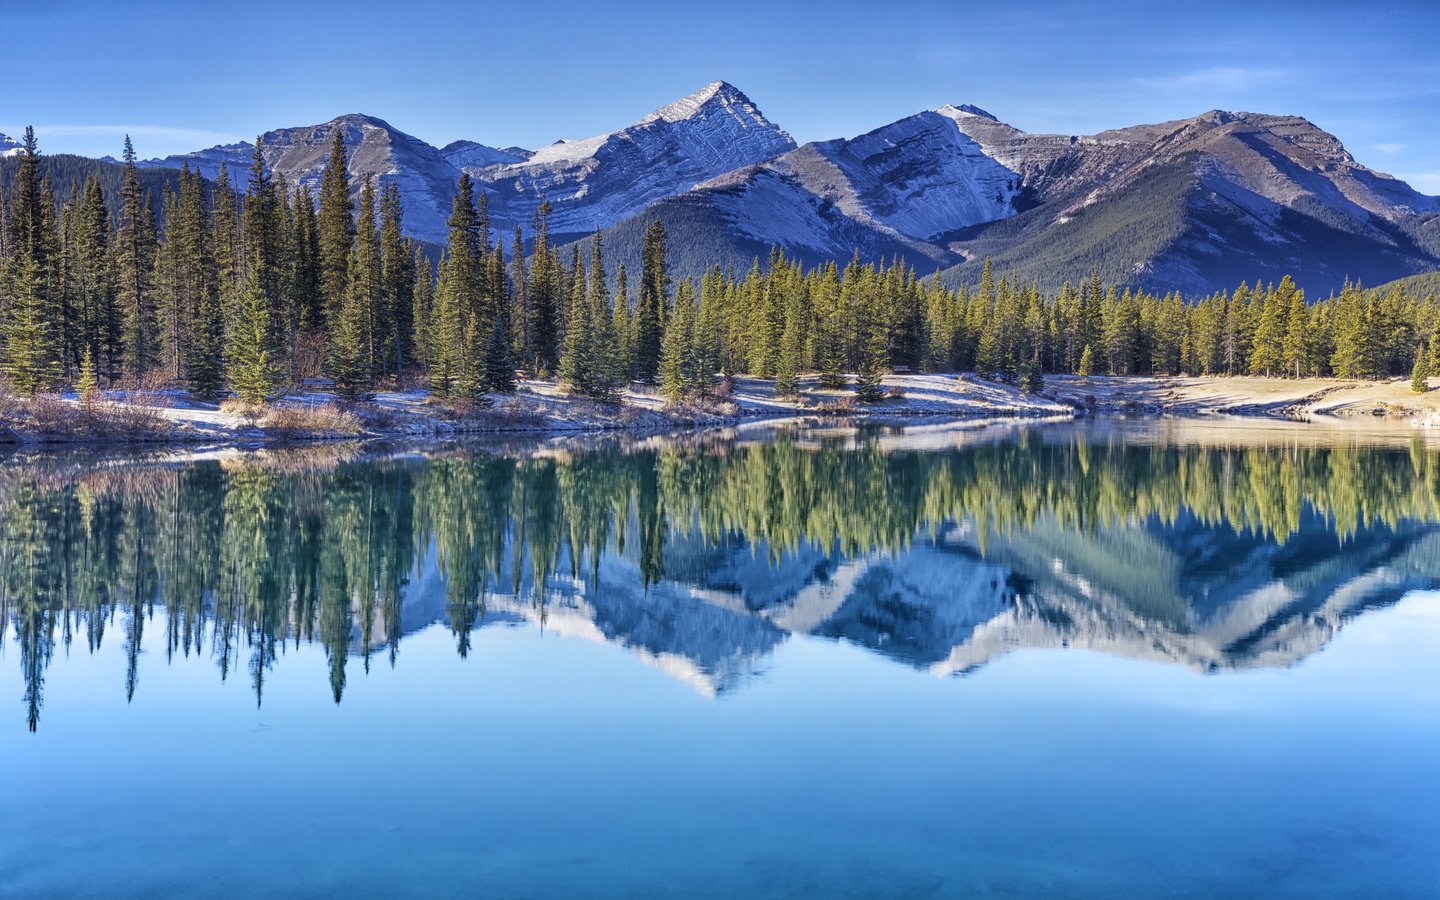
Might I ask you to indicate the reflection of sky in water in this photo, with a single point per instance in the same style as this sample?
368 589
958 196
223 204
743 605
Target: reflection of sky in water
549 765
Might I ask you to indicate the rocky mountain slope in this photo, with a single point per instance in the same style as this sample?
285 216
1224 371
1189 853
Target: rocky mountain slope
9 146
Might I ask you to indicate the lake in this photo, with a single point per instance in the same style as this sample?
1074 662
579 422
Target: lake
1103 659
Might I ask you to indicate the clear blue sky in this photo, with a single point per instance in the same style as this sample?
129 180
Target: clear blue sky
181 76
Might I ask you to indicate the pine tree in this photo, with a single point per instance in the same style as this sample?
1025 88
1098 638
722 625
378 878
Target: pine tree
499 372
422 299
792 348
134 265
250 358
1087 362
678 377
30 360
1297 334
650 312
396 335
336 225
28 336
1420 374
355 346
577 361
87 385
874 358
622 330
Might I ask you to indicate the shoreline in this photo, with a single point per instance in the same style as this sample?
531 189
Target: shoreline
541 409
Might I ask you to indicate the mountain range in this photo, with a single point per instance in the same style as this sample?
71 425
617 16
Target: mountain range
1190 593
1194 204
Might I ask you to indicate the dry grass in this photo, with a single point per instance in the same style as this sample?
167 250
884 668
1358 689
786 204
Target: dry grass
311 420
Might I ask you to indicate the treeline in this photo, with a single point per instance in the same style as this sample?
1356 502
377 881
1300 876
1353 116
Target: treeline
251 292
249 555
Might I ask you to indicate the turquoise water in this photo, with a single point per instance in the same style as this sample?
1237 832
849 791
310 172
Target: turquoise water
1088 662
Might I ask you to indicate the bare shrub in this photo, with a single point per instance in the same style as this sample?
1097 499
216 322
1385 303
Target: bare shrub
843 406
49 417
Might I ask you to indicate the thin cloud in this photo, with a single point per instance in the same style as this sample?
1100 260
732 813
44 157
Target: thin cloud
1387 148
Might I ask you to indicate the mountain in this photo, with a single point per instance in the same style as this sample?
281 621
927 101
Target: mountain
468 154
9 146
1193 204
1200 203
598 181
591 183
426 178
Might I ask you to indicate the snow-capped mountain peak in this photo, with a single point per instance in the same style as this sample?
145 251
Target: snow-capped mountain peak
599 180
716 97
9 146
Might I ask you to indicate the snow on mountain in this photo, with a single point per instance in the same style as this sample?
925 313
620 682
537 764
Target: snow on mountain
600 180
426 179
10 147
469 154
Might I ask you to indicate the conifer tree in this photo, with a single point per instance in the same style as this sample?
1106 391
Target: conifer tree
622 330
1087 362
134 265
251 364
678 375
792 348
650 313
87 384
30 360
398 282
873 360
577 362
1420 373
1297 335
499 375
336 225
422 298
355 350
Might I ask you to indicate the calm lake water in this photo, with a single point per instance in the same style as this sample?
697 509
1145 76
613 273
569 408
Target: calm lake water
1101 660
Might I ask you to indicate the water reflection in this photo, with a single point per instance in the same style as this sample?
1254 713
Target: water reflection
702 556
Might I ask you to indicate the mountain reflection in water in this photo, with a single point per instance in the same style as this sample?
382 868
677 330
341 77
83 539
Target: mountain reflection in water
940 550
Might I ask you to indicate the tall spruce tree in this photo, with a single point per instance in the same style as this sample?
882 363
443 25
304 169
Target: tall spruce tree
134 266
249 352
650 313
335 225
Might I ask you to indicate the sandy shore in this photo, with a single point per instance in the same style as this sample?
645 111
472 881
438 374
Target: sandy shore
541 407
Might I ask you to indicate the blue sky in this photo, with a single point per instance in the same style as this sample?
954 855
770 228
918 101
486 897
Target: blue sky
180 76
